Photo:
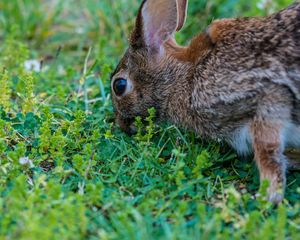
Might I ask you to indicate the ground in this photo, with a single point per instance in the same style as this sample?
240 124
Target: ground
68 172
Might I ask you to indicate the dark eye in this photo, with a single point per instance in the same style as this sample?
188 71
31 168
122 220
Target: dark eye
120 86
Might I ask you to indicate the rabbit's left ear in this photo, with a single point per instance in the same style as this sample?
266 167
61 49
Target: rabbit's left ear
182 12
157 22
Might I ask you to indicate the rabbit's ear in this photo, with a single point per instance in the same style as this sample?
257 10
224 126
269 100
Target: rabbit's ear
182 12
157 22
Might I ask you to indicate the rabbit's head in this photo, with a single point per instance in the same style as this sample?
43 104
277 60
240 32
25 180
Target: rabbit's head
146 71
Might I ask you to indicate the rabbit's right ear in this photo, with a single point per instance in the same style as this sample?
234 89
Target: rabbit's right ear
156 23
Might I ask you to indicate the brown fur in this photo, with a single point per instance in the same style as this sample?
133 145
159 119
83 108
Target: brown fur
217 30
239 81
198 48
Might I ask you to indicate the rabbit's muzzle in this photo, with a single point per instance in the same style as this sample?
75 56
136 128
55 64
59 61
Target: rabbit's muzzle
126 125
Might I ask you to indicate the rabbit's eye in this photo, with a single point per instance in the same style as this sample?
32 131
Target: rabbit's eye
120 86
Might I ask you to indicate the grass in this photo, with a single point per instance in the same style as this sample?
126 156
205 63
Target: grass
68 172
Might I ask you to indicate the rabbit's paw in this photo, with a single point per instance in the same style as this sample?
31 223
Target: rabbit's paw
275 197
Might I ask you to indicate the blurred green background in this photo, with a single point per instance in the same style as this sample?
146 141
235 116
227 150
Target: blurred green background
105 25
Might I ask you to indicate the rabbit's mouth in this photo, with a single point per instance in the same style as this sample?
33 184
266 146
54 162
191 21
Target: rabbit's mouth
127 125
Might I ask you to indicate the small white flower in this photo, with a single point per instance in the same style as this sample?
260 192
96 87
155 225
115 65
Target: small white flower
26 161
32 65
81 187
61 70
79 30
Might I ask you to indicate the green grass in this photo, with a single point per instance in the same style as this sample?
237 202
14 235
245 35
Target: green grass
68 172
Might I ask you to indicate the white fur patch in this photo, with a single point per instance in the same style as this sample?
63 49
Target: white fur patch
241 141
290 135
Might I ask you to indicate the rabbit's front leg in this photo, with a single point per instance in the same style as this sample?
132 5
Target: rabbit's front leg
268 149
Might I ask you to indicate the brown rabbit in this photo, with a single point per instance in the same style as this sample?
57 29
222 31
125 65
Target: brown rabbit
238 81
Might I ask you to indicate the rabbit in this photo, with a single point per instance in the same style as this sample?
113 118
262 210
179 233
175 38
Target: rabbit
238 81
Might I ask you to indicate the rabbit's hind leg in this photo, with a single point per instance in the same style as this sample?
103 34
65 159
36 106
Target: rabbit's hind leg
268 150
